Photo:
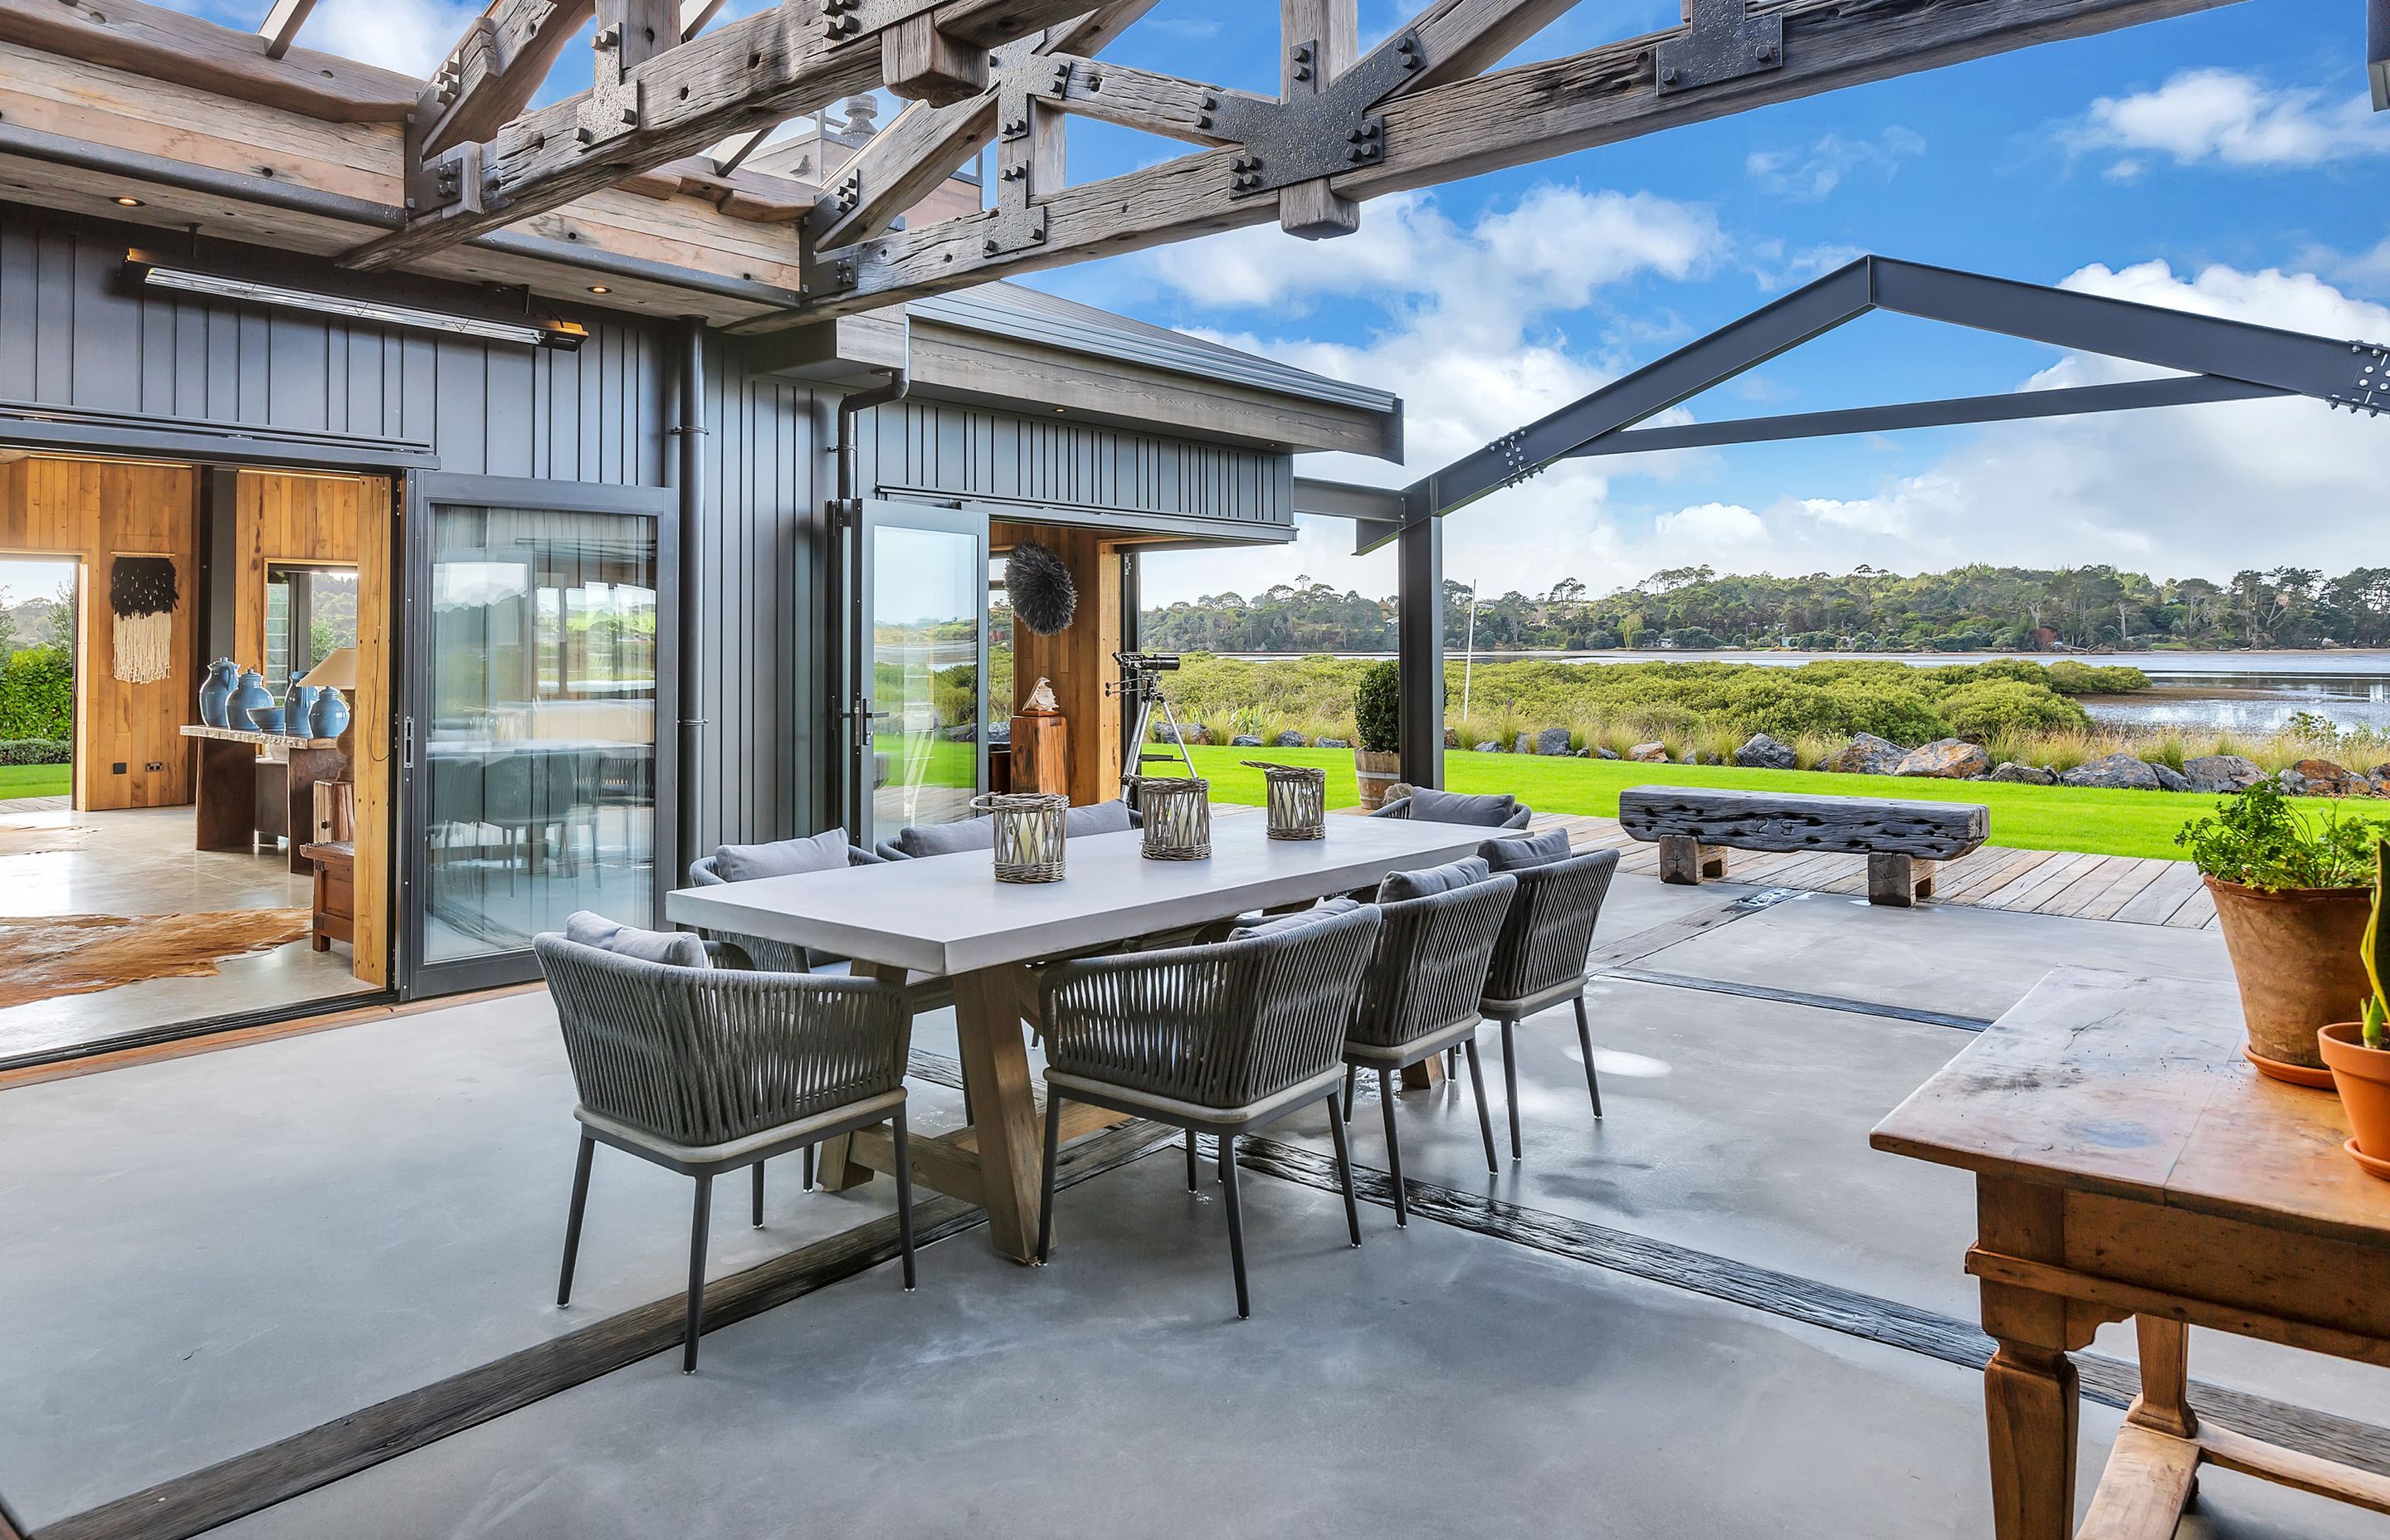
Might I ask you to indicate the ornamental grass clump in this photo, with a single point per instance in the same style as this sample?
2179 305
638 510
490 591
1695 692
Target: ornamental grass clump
2376 1013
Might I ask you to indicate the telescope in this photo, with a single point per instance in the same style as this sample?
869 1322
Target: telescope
1147 662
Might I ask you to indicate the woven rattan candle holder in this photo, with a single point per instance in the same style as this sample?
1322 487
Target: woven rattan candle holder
1298 799
1029 834
1177 813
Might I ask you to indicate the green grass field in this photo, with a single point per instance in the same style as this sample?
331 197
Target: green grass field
2024 818
50 781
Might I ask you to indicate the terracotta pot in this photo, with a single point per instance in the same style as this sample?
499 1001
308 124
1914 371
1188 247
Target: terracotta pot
1377 774
2362 1075
2297 957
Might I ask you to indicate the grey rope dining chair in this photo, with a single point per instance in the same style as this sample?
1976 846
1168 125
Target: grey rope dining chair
702 1070
1539 958
1420 998
1219 1039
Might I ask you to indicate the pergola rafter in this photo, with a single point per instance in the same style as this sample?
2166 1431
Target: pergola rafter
1413 112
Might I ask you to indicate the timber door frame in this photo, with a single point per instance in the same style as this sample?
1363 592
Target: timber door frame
418 977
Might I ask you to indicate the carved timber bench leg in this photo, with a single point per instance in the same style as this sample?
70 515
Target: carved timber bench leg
1903 881
1686 861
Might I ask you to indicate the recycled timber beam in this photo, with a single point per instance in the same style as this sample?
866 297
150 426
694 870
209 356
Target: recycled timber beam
1719 63
149 40
791 59
928 141
495 69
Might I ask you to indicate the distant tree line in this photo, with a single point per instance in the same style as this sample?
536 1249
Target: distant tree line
1968 608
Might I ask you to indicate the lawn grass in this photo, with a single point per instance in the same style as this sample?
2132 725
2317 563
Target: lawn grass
2023 817
50 781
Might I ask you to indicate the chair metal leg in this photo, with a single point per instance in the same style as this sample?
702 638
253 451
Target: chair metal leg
573 1220
1352 1073
1235 1221
1393 1147
1345 1170
1510 1084
701 1217
1054 1142
757 1216
1484 1118
1194 1168
809 1168
904 1153
1585 1041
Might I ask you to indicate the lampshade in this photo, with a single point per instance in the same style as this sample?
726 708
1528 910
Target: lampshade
338 671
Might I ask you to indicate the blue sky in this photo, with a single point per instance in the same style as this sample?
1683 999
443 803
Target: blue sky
2224 160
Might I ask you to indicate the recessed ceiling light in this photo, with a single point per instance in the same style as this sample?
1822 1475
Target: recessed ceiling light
130 203
600 289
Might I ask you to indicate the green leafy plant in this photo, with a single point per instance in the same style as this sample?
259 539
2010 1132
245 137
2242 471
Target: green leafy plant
2376 1014
2258 840
1377 709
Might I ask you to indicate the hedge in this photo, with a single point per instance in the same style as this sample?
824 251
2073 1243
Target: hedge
36 751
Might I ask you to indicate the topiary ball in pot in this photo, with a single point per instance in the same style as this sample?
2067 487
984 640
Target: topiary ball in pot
1044 597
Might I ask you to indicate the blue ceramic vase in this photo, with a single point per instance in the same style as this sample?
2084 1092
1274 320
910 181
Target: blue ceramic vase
299 706
330 717
249 696
215 690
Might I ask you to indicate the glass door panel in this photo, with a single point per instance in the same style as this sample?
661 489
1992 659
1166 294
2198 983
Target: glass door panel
925 591
537 726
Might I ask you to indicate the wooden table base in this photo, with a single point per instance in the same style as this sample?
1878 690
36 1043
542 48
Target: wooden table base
997 1162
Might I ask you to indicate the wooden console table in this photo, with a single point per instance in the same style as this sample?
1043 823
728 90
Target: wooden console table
2130 1164
225 799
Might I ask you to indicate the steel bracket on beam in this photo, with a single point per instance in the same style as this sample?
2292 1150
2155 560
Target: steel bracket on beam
845 20
2370 389
1305 138
612 109
1723 45
448 184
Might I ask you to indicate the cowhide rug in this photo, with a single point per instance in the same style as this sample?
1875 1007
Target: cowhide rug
43 839
44 957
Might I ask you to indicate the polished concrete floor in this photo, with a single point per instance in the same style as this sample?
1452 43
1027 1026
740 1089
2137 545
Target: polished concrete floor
141 861
213 1252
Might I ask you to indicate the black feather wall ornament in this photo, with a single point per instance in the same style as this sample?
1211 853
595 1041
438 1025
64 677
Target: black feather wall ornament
141 595
1044 597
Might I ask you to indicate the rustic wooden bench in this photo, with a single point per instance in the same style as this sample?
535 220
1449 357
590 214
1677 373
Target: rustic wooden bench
1903 841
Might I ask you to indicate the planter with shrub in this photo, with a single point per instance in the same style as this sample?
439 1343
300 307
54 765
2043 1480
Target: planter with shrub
2359 1051
1377 749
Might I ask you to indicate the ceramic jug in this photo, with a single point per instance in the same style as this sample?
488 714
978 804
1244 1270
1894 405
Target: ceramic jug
216 690
299 706
251 694
331 714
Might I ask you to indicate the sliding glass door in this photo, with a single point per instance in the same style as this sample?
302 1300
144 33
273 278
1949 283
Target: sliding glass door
922 754
537 742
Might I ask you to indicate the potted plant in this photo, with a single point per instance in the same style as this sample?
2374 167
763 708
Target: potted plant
1377 748
2359 1051
2292 898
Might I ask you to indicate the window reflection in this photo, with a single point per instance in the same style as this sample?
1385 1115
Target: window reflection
926 594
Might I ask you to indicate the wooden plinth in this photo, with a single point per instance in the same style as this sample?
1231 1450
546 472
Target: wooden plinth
1041 754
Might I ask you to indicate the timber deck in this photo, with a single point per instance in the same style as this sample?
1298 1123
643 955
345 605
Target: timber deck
2136 889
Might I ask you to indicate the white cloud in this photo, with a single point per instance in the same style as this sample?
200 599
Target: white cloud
1470 343
408 35
1706 526
2231 118
1816 170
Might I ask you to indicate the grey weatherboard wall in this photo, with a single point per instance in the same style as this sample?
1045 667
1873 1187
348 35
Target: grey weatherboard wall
73 335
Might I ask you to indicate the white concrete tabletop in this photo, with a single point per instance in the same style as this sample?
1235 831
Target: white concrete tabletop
948 913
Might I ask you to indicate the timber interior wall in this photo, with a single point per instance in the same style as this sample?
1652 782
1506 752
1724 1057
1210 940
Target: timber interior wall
94 511
291 516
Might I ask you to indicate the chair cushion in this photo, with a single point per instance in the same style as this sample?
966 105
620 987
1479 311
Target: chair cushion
1433 880
824 851
1535 850
1098 818
920 840
680 948
1326 909
1428 805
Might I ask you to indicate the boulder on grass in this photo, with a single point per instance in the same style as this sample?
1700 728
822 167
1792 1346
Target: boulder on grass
1244 741
2022 775
2116 772
1600 752
1648 753
2322 778
1949 759
1330 743
1869 755
1553 740
1762 753
2222 774
1489 747
1452 738
2169 778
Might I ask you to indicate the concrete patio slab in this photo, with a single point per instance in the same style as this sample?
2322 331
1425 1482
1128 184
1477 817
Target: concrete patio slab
1432 1383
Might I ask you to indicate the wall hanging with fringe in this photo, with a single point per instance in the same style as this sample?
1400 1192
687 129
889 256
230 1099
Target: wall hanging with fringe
141 593
1044 597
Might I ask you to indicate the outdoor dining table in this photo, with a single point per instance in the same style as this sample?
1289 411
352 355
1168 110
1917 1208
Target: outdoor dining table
948 916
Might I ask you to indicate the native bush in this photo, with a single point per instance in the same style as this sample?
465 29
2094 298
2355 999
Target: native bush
37 695
1997 707
36 751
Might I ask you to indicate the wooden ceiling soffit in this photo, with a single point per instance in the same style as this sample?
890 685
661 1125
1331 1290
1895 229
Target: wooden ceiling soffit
162 44
797 57
1412 116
